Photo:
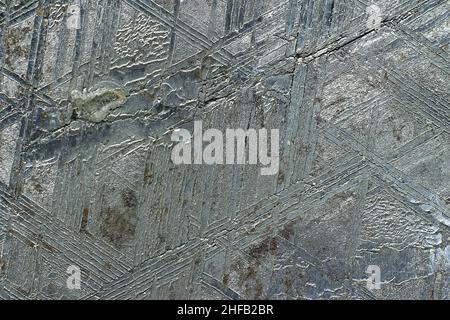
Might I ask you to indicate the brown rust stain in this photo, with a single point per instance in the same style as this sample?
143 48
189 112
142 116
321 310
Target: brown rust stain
13 49
84 219
261 250
248 279
226 279
148 175
287 231
129 198
118 222
287 282
117 226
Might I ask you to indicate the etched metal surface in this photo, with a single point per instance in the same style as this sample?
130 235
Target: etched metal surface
90 91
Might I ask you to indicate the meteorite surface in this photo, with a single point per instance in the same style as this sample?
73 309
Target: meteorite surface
109 189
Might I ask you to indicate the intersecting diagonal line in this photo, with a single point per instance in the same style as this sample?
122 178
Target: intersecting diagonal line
145 272
20 14
30 220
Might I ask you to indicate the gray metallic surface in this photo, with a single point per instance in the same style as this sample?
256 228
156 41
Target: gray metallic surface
87 104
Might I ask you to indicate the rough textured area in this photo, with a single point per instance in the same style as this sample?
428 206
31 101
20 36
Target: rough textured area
90 91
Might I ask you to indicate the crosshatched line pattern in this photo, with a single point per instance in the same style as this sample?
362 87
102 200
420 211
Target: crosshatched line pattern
90 91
